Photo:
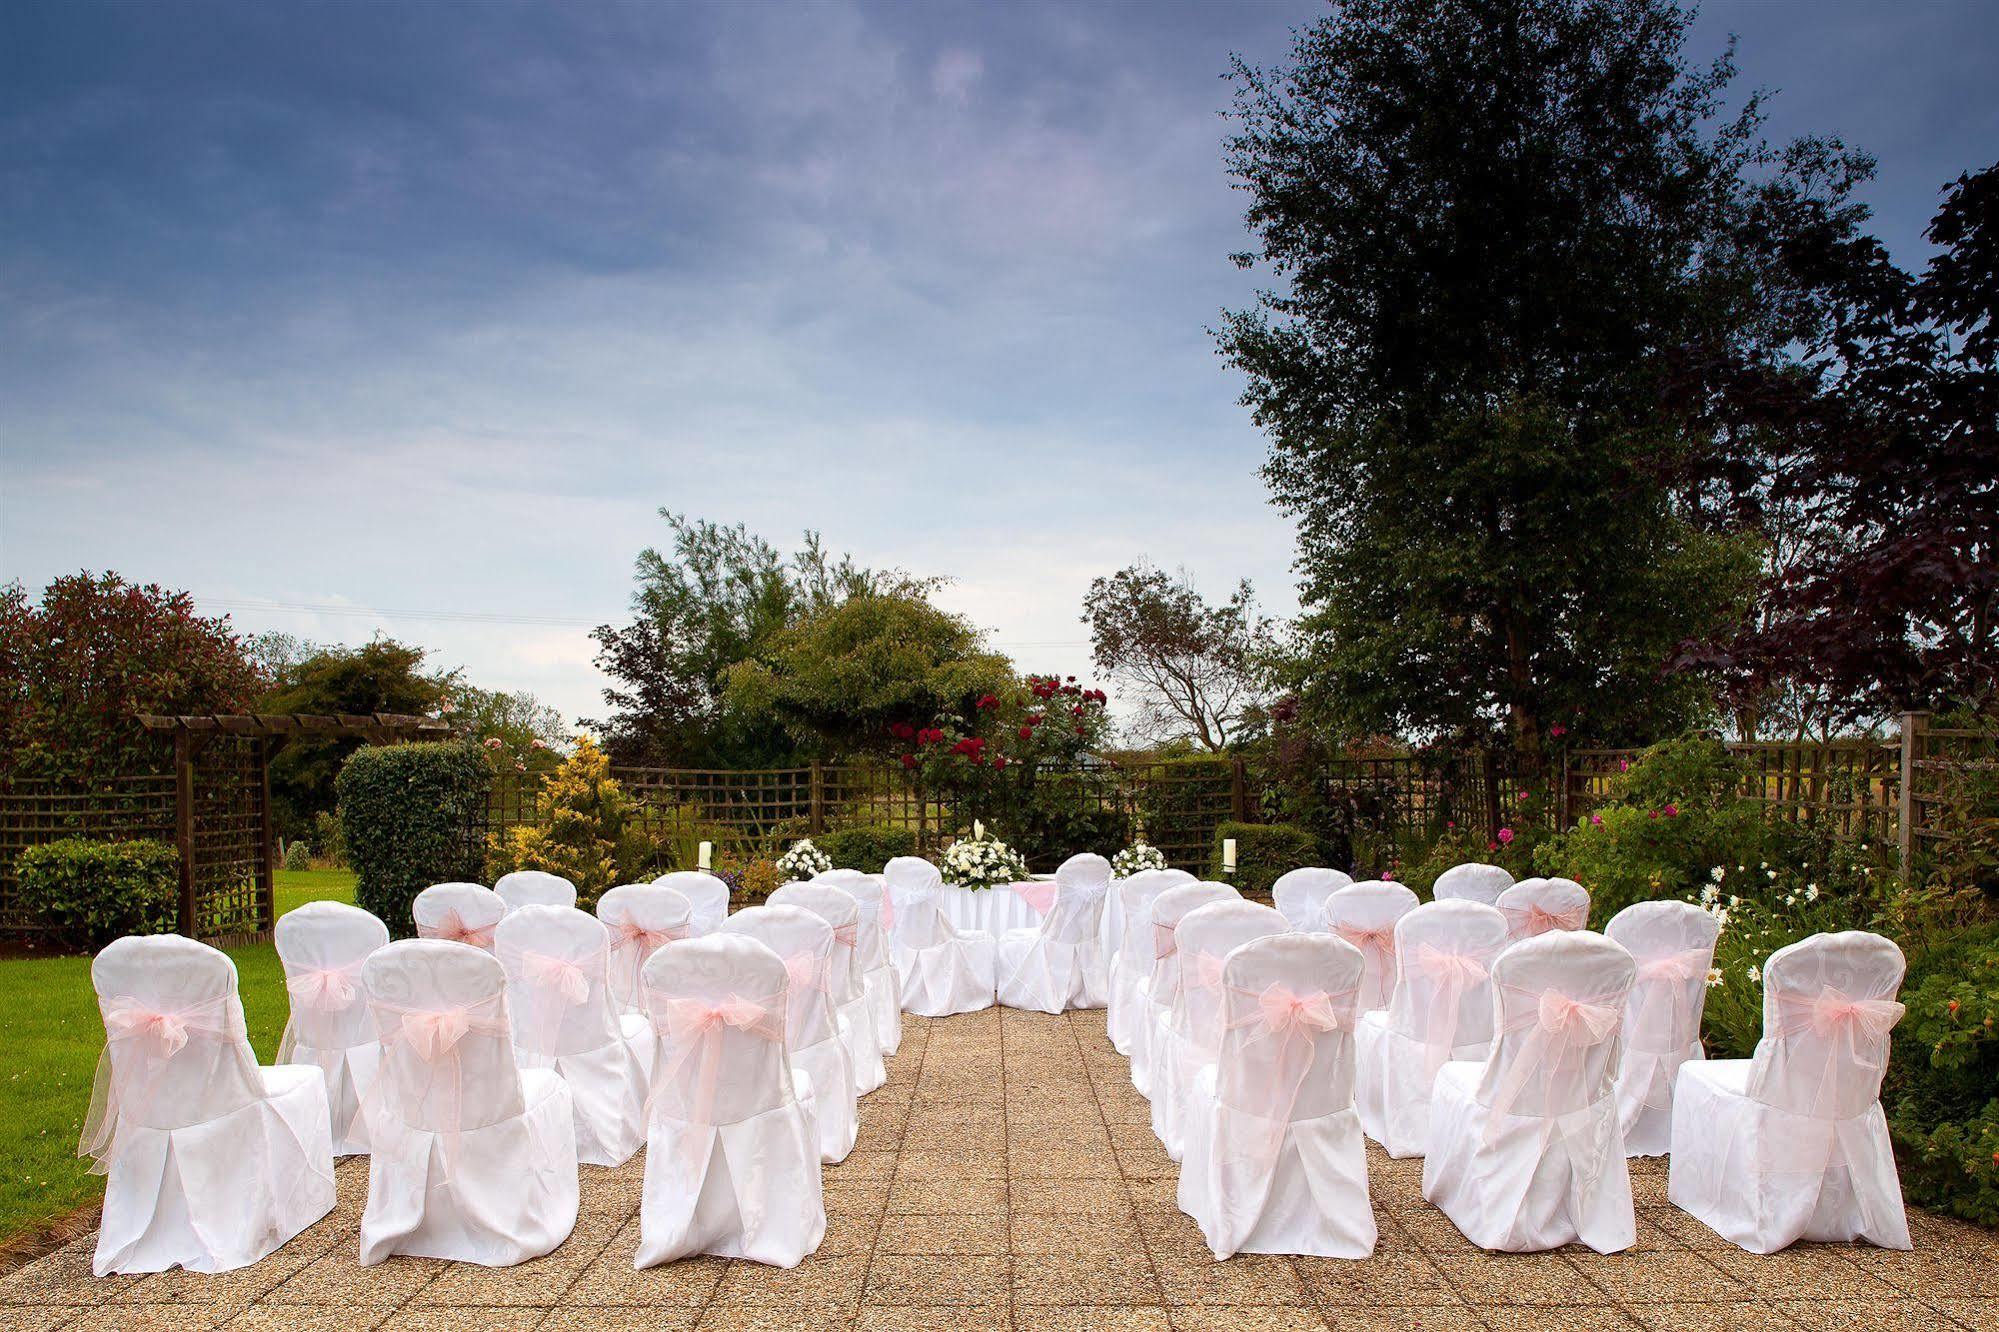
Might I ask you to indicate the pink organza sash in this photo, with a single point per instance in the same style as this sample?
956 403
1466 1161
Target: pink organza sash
1561 1029
693 1031
328 991
456 928
141 1044
848 934
555 984
1039 894
436 1093
1846 1033
632 943
1668 979
1277 1034
1165 940
1534 919
1451 976
1377 945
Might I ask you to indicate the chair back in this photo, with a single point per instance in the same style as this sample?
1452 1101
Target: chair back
440 1011
535 888
1364 914
1535 906
175 1048
912 884
1168 909
1289 1008
1082 886
641 918
1206 936
1444 953
871 949
1472 882
322 946
842 913
557 961
464 913
718 1008
1301 894
705 893
803 941
1673 945
1828 1007
1559 1003
1136 894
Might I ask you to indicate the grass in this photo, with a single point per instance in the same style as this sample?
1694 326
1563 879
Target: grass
51 1034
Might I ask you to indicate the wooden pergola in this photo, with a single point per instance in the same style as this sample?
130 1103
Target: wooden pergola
248 835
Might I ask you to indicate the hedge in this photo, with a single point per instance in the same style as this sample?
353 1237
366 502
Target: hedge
1264 851
410 815
91 892
868 847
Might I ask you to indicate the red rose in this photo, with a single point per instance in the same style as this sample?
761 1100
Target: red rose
987 701
1076 711
1027 732
909 760
1000 762
1080 730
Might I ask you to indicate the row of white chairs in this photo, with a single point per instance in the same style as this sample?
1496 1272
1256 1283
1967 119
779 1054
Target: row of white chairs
1522 1055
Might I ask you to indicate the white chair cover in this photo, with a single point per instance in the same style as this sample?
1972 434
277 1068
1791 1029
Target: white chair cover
1673 944
642 918
1131 965
1114 921
1472 882
883 987
732 1153
464 913
1525 1153
210 1162
1301 894
1061 964
1792 1144
812 1033
943 970
856 1021
558 961
1535 906
1440 1009
471 1158
1162 985
1275 1159
1189 1035
322 946
1364 914
707 894
535 888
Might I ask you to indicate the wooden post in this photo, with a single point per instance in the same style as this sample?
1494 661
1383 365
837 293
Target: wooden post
267 871
1238 792
818 798
1913 724
1489 762
184 827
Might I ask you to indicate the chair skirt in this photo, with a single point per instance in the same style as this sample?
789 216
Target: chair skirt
746 1190
884 989
1392 1084
953 975
1050 975
864 1052
1645 1081
828 1069
349 1073
607 1089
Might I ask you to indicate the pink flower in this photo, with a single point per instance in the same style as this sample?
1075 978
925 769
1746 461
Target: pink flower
1596 820
1672 811
1624 765
1557 731
494 743
1506 836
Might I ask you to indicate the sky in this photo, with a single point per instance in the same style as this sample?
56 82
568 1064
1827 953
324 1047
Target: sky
408 319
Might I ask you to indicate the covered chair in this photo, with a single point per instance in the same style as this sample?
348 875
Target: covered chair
641 918
322 946
210 1162
1189 1035
732 1152
1162 984
812 1036
1440 1009
1472 882
1535 906
466 913
1673 945
1275 1161
1060 964
471 1157
535 888
705 892
1114 917
1792 1144
1525 1152
879 981
943 970
557 961
1131 964
839 909
1301 894
1364 914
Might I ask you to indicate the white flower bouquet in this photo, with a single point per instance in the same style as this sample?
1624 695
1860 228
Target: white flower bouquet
1136 857
982 862
803 861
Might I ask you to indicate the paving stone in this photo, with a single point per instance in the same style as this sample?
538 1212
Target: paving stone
935 1235
1243 1279
974 1279
1729 1316
934 1318
1522 1278
1071 1278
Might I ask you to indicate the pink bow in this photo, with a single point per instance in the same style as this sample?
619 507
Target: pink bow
1874 1018
1206 973
1282 1009
1380 940
557 973
168 1031
1445 967
803 968
848 934
329 989
1535 919
647 940
1678 968
433 1034
696 1017
1165 940
1578 1022
452 926
1039 894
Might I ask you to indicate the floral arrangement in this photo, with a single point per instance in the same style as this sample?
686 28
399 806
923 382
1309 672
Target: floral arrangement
982 862
1136 857
803 860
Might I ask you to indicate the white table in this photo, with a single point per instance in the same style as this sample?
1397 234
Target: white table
994 910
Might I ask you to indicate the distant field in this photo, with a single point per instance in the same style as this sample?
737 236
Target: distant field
50 1031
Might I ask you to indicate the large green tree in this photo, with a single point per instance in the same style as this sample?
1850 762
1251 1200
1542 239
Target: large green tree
1486 225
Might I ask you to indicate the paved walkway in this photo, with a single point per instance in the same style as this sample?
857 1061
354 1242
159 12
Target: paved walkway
1006 1179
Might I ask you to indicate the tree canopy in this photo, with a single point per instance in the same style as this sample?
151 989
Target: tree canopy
1192 669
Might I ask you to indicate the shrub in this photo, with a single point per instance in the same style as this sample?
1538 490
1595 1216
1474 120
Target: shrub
329 842
91 892
751 879
408 813
868 848
585 821
1263 852
1940 1090
298 856
1692 772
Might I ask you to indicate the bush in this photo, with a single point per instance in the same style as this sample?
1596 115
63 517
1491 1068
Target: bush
867 848
298 856
329 842
751 879
585 827
91 892
1692 772
407 814
1940 1090
1263 852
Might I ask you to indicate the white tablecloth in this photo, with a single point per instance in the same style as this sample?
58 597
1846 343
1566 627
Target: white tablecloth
995 910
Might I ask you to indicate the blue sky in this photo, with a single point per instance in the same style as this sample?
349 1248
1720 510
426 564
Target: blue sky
429 308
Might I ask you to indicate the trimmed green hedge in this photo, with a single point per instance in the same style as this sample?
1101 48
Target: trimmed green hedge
410 815
867 848
91 892
1264 851
1942 1089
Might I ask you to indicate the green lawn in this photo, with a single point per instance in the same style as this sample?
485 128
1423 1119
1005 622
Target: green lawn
50 1033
